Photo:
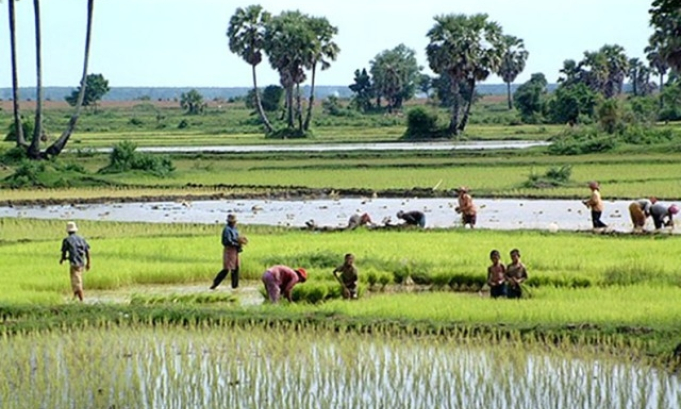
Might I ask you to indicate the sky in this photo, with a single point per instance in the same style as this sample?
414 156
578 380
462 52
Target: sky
181 43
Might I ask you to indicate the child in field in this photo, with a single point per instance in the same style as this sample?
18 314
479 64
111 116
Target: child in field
516 274
496 276
348 277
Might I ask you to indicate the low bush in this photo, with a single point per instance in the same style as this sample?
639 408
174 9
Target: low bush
422 124
124 158
555 176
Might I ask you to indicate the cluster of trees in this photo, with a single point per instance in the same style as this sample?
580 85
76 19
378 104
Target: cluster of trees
32 146
296 44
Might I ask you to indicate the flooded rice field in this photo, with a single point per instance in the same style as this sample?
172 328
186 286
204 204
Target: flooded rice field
500 214
343 147
208 367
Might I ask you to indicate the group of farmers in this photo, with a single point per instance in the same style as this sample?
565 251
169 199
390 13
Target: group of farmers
639 211
280 279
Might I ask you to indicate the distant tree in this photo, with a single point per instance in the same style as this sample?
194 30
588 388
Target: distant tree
665 19
192 102
571 103
639 78
443 91
362 89
96 86
617 64
658 64
425 84
466 48
246 33
512 63
395 75
571 73
530 98
272 97
34 148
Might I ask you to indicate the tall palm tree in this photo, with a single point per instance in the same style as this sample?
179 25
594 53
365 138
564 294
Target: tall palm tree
464 49
288 44
325 50
34 149
18 129
246 33
512 63
617 67
571 71
56 148
635 66
658 64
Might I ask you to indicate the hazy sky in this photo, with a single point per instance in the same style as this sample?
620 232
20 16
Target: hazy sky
183 43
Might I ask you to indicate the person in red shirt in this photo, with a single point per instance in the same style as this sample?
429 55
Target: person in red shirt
280 280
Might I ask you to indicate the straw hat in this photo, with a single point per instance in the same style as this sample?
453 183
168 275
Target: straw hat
231 217
302 273
71 227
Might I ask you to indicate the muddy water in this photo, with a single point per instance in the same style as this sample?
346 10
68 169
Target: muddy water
397 146
501 214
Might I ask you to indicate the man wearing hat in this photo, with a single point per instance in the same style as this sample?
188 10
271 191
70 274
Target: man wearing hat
466 207
76 249
232 245
280 280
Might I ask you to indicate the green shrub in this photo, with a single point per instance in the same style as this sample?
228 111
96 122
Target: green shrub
422 124
124 158
555 176
581 141
26 175
26 126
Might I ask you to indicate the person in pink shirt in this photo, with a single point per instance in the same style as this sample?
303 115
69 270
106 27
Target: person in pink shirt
281 279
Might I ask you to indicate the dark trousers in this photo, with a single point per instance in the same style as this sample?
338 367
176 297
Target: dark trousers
514 291
223 274
596 219
497 291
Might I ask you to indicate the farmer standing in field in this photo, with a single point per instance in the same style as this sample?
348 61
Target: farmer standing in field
78 252
357 220
595 203
466 207
412 218
663 215
348 277
232 245
516 274
639 212
281 279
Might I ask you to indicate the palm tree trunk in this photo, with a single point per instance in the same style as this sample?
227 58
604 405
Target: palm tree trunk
56 148
661 89
289 105
258 103
34 149
306 126
469 104
508 96
453 124
18 129
299 109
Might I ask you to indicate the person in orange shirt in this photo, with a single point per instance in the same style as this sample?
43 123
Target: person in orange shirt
466 207
595 203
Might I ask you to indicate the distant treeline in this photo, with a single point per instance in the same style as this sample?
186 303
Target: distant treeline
208 93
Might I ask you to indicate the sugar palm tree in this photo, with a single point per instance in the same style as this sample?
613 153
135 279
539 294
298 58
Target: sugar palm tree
18 129
512 63
464 48
246 33
56 148
325 50
34 148
659 65
617 67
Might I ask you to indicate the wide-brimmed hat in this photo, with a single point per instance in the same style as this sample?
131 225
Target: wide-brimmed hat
71 227
673 209
302 273
231 217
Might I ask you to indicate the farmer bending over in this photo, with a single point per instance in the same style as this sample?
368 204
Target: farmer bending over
281 279
663 215
348 277
412 218
357 220
639 211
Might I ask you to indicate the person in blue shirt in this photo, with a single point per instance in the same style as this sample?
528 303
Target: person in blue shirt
232 245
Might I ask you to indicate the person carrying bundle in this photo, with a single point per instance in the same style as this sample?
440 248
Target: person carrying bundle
348 277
